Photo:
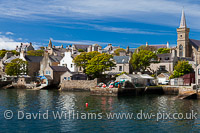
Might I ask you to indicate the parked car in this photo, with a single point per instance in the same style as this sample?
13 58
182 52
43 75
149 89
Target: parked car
165 82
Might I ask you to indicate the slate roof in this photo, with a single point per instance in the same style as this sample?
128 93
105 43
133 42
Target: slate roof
104 51
55 58
121 59
84 47
158 46
10 59
195 43
59 51
33 58
132 50
59 68
48 77
25 45
164 75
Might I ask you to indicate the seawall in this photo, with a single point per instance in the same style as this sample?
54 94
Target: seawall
78 85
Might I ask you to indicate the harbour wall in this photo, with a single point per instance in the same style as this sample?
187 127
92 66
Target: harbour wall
78 85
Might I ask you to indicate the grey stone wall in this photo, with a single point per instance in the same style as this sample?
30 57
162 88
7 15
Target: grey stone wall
73 85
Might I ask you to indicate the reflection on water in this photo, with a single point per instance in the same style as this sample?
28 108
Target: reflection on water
34 101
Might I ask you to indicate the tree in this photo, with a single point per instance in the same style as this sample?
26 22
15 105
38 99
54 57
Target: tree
42 48
81 50
181 68
141 60
2 53
35 52
149 48
117 51
163 50
82 59
16 67
98 64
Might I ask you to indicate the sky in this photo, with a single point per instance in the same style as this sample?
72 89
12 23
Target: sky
119 22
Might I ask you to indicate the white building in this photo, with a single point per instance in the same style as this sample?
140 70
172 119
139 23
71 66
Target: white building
67 60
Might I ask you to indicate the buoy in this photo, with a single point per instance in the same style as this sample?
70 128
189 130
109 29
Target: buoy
86 104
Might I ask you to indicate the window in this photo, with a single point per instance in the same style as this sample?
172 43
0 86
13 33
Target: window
162 68
180 50
65 78
120 68
80 69
180 35
198 71
48 72
68 78
166 58
71 65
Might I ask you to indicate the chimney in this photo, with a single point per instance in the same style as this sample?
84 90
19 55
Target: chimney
22 54
30 43
147 44
174 53
167 44
62 46
127 49
54 46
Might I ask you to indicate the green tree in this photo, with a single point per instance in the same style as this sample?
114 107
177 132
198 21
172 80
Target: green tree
149 48
181 68
141 60
98 64
16 67
82 59
163 50
42 48
81 50
35 52
117 51
2 53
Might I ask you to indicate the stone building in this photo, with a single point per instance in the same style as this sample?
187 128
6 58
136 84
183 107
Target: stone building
166 63
33 64
24 47
122 65
49 60
72 76
55 50
54 72
187 48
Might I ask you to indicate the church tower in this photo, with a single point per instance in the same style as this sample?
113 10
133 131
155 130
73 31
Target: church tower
50 44
183 38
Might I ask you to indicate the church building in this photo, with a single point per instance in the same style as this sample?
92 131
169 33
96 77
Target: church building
187 48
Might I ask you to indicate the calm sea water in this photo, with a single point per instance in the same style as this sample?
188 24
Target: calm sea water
29 101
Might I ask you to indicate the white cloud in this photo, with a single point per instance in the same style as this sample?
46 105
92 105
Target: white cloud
19 39
127 30
9 33
148 11
83 42
8 43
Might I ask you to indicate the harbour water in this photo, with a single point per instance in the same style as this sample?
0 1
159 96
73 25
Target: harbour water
22 103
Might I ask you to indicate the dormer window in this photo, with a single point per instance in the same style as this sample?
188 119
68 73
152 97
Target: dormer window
180 35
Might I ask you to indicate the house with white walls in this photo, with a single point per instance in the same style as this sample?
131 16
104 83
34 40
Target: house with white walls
67 60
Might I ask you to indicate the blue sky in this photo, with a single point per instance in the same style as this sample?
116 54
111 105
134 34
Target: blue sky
120 22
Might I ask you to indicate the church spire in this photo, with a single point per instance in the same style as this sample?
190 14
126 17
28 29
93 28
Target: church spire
183 21
50 44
